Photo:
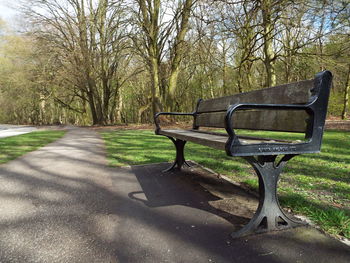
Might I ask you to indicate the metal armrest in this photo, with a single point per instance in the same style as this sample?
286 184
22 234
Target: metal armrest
169 113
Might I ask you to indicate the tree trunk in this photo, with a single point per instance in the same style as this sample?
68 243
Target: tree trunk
346 96
179 49
224 69
240 78
91 101
42 109
266 8
119 114
155 86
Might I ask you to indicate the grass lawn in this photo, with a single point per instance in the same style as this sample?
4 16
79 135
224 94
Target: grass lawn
15 146
315 185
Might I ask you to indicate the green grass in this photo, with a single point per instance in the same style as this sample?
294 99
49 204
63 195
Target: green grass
15 146
315 185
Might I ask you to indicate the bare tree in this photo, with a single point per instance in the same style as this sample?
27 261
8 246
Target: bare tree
160 30
90 38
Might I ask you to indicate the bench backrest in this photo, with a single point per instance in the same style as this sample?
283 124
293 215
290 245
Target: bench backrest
211 113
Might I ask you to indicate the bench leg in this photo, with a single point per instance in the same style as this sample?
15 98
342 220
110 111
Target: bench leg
269 216
180 157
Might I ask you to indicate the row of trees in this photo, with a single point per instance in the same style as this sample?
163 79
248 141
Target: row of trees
106 61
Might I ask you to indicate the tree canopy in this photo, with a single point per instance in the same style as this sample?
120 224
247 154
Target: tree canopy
106 62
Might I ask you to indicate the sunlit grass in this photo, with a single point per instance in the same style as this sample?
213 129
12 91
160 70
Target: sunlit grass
315 185
15 146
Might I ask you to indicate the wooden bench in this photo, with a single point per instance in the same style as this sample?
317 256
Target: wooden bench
297 107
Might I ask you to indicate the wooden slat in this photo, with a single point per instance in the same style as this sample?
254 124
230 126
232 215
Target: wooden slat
293 93
211 140
215 140
272 120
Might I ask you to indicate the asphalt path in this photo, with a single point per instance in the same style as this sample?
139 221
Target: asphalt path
62 203
13 130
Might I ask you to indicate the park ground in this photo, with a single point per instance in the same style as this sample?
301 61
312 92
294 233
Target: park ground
65 192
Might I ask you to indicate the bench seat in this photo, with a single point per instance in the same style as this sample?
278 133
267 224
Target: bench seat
218 140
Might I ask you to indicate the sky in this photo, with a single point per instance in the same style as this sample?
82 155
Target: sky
6 12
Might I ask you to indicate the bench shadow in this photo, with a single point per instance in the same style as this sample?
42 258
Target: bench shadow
192 189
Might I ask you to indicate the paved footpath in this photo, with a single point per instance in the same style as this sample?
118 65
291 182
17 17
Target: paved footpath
13 130
62 203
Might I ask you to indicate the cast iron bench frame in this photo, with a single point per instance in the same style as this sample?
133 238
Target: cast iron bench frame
263 153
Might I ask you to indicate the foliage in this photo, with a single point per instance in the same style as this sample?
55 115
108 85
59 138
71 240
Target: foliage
316 185
15 146
107 62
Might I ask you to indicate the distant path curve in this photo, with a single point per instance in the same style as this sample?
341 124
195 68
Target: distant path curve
7 130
